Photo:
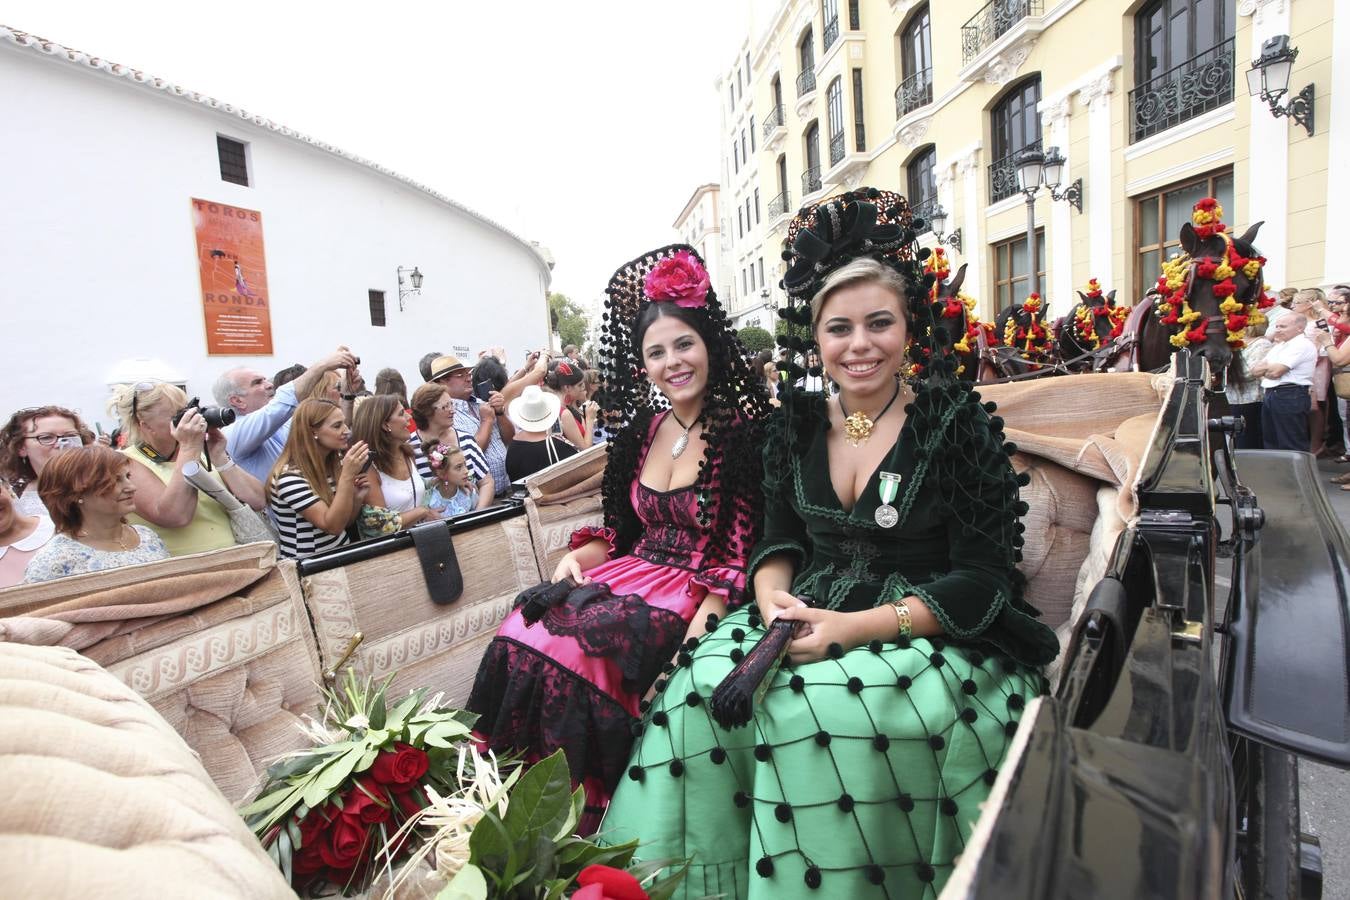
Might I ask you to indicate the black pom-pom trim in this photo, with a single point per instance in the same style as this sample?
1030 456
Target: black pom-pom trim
659 718
903 682
873 193
970 687
835 650
764 868
845 802
823 738
875 874
812 877
660 685
855 685
763 752
903 642
712 621
693 698
736 654
948 806
881 743
676 768
905 802
1010 728
797 683
783 812
683 658
636 773
924 872
718 756
644 705
738 634
976 658
741 799
937 659
990 776
969 715
875 646
1016 701
936 741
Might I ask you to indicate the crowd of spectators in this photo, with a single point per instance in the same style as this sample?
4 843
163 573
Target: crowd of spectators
310 458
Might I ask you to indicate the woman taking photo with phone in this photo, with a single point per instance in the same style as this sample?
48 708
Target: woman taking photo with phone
396 489
315 489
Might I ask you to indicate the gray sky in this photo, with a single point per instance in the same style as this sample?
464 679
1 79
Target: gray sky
584 126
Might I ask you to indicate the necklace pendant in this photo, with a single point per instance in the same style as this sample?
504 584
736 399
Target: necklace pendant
677 448
857 429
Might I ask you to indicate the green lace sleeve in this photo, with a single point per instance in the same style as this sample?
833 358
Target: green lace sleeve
784 531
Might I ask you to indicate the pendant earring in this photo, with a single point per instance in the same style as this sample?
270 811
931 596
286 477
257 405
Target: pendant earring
80 501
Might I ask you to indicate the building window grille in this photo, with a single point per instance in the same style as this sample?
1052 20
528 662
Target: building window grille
811 177
806 56
829 14
1158 218
377 309
1015 127
834 95
1183 63
859 129
233 160
921 183
995 19
916 64
1010 269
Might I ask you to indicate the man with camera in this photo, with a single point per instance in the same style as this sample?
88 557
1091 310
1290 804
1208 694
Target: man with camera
256 438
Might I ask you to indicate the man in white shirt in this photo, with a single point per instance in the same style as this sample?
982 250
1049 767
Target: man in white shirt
1286 377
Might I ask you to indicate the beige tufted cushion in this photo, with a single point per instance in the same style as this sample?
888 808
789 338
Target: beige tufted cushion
562 499
1062 507
103 799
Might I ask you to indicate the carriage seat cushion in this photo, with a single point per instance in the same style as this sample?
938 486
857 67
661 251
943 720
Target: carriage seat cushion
1062 508
102 797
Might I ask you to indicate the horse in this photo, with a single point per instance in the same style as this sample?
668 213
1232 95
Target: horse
1022 340
1089 338
1204 299
954 313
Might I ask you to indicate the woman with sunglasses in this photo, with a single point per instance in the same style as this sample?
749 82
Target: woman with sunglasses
166 451
29 439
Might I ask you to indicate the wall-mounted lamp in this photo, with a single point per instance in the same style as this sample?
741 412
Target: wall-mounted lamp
415 277
1035 169
937 220
1268 78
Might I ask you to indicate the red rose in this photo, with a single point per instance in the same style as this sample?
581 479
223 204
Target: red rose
345 843
366 803
400 768
613 884
308 861
313 826
409 802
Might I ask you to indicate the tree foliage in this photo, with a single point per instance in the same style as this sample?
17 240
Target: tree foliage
755 338
568 319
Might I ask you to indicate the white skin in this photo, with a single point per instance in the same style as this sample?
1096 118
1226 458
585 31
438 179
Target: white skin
676 362
490 414
332 435
402 470
861 334
573 431
103 528
1285 328
256 388
453 477
13 527
173 504
442 422
36 454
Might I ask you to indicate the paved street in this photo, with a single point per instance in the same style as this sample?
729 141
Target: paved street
1325 792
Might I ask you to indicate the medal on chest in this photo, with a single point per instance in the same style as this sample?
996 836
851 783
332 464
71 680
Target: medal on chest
886 515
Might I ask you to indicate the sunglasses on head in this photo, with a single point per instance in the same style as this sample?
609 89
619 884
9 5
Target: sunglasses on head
136 390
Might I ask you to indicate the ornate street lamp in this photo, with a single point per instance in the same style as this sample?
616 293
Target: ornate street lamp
1268 78
414 276
1054 176
1034 169
938 221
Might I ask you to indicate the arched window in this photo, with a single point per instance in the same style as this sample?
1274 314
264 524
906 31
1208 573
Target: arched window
829 16
916 64
811 177
1183 63
1014 127
806 57
834 97
921 183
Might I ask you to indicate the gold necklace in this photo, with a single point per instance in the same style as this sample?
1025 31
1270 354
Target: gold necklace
858 425
121 542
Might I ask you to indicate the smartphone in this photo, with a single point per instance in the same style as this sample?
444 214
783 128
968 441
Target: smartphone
482 389
370 460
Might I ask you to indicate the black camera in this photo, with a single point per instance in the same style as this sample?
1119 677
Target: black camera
214 416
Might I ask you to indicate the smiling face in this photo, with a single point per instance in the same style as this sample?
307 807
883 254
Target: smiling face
676 359
115 503
333 434
862 335
43 437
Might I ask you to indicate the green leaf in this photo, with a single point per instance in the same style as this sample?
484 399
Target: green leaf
578 853
542 799
394 722
578 808
468 884
444 734
292 827
377 711
490 844
327 780
284 852
666 887
267 801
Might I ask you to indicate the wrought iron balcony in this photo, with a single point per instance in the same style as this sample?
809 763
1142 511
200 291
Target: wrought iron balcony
914 92
859 137
924 209
1003 174
836 148
830 35
775 120
995 19
1201 83
780 206
806 82
811 180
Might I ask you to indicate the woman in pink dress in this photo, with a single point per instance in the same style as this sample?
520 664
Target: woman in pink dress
682 510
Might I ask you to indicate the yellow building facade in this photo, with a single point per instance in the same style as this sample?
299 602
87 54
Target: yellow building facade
1147 104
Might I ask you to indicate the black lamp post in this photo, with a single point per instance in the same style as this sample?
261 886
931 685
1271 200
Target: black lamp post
414 276
1268 78
938 221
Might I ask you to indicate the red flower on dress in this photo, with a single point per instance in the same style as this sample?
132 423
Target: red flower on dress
680 278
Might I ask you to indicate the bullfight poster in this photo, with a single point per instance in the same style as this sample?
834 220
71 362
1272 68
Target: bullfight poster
234 279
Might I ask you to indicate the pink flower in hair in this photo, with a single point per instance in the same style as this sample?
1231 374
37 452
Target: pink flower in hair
680 278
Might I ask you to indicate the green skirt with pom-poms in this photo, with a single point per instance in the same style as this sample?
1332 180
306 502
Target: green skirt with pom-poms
859 777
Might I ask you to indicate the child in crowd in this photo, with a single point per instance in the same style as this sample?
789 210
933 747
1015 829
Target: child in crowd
452 490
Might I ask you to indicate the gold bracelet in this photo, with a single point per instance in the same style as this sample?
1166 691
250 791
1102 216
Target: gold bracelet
902 617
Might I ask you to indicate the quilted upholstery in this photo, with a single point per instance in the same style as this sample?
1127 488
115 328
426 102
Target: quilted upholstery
562 499
103 799
1062 509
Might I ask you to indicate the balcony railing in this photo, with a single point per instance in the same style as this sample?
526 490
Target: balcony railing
994 19
806 82
914 92
811 180
830 35
780 205
1003 174
924 209
1201 83
859 137
836 148
774 120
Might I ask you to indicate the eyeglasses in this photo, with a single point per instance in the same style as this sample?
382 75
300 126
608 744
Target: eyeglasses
47 439
136 390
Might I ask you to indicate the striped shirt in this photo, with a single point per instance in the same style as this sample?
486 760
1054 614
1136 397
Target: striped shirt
298 537
468 419
473 456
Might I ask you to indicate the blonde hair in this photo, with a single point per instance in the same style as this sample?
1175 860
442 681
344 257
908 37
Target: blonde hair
861 271
1311 295
125 398
303 452
323 386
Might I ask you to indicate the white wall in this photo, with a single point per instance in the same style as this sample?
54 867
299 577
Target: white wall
98 257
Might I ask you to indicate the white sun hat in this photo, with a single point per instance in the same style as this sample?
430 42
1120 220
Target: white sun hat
534 410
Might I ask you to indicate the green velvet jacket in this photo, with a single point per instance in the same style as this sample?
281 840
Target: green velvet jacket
955 545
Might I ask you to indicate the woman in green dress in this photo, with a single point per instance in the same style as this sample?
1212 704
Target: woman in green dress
862 770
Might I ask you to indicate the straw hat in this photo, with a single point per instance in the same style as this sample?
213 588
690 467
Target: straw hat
444 365
534 410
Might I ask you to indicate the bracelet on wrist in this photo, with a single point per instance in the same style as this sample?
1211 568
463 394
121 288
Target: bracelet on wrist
902 618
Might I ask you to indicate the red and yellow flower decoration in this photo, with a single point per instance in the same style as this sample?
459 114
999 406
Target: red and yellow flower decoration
1172 306
1033 339
1086 315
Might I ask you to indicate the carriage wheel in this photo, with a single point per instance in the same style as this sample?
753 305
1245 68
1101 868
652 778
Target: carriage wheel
1265 787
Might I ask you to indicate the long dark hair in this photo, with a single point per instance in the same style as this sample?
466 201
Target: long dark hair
735 407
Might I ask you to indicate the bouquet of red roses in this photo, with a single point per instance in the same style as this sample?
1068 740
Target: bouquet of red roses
334 812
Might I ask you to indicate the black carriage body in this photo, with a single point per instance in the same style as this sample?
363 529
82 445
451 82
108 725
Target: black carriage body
1142 775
